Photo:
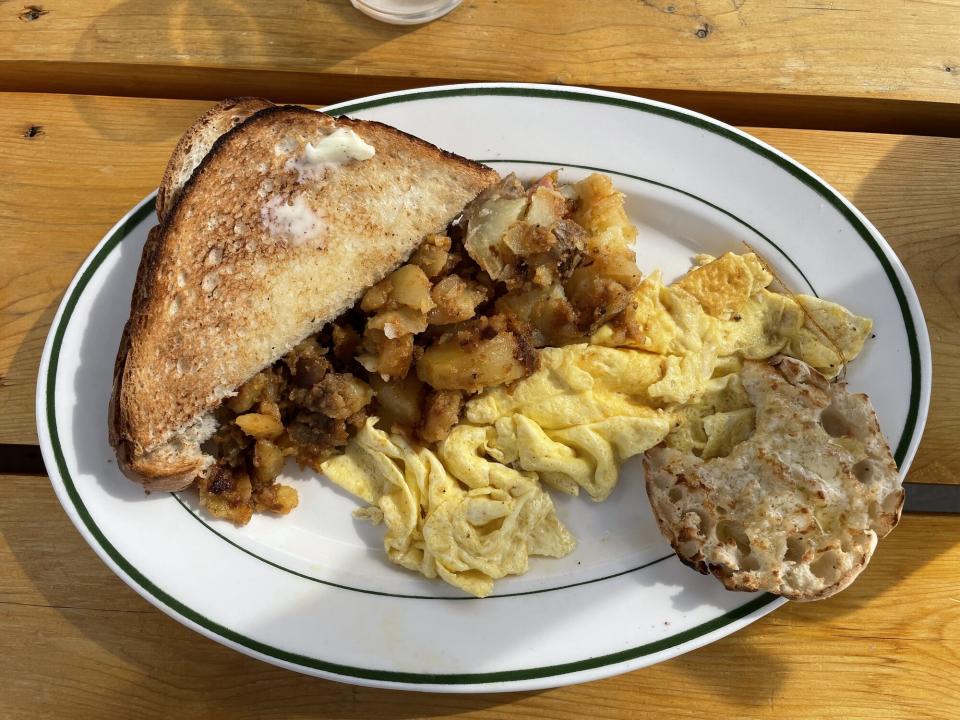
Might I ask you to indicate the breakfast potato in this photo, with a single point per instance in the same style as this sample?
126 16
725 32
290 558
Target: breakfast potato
600 211
547 206
267 462
621 267
475 358
260 426
263 385
399 400
402 321
547 311
278 499
226 495
341 395
411 288
595 297
407 286
488 218
455 300
432 255
387 357
441 413
377 297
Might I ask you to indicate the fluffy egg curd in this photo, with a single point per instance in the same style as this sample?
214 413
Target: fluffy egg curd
475 508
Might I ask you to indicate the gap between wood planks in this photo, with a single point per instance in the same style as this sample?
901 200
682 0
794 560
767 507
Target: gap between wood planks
921 497
811 112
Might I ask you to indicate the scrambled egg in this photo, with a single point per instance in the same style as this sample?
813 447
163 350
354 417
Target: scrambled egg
476 511
575 420
458 516
724 309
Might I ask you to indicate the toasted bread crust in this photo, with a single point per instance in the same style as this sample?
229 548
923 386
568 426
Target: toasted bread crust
195 144
479 172
222 292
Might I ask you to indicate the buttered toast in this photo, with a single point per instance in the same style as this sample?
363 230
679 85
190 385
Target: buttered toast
282 223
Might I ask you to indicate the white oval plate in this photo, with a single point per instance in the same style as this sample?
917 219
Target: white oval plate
314 592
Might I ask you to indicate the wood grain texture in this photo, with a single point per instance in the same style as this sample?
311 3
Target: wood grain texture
91 158
78 643
805 62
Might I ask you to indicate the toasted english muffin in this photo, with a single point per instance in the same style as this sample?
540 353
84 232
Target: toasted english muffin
797 508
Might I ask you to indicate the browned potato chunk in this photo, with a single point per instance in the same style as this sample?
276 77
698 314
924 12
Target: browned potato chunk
262 386
246 396
431 256
377 297
456 300
620 267
526 240
279 499
267 462
488 217
403 321
595 298
260 426
388 357
395 356
399 400
453 260
547 206
482 355
267 407
343 395
226 494
441 413
406 287
547 311
549 181
411 288
600 207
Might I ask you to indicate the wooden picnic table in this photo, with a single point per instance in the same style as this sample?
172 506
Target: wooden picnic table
93 95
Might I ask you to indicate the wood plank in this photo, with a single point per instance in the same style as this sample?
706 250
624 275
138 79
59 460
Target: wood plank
78 643
844 64
857 114
94 157
73 166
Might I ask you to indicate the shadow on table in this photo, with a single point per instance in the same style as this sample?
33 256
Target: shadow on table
192 31
27 356
158 654
920 173
917 173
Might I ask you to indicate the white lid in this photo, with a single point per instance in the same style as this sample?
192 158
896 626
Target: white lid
405 12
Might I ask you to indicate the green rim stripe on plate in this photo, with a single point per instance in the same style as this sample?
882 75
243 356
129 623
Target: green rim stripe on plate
467 598
467 678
